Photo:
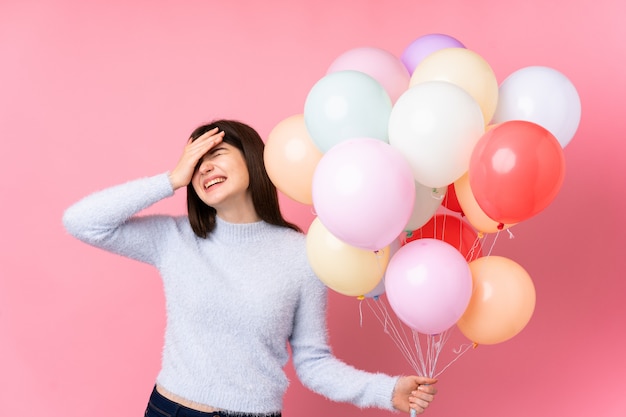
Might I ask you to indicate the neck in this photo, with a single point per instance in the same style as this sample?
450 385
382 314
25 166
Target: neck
239 216
241 211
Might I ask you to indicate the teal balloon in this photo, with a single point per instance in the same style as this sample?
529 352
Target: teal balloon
345 105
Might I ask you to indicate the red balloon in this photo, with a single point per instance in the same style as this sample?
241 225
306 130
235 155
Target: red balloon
450 201
452 230
516 170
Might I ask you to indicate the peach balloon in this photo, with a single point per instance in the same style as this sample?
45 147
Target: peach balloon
291 157
502 302
464 68
345 269
472 211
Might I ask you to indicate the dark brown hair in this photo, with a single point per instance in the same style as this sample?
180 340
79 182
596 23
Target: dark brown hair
262 190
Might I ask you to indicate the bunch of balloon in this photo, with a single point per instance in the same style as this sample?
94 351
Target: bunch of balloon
409 163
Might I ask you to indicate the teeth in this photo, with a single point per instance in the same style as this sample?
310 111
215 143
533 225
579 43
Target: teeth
213 182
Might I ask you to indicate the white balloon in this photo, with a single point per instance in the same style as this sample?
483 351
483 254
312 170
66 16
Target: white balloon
541 95
436 125
427 201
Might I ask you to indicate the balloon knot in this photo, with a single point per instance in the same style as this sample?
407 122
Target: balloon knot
500 226
409 233
361 297
474 345
480 235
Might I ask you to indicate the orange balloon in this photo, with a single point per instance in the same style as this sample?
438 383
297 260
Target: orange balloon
472 211
291 158
502 302
344 268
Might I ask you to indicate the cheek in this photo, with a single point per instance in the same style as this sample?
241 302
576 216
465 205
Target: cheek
244 174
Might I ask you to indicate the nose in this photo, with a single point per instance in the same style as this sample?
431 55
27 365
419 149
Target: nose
205 166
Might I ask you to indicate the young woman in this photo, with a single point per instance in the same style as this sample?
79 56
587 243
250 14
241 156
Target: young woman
237 283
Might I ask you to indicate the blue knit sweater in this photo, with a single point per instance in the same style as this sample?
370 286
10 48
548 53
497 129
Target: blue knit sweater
234 302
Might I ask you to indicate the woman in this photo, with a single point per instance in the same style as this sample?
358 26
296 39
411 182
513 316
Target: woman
237 283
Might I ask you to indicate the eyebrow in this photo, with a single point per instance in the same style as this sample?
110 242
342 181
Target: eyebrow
218 148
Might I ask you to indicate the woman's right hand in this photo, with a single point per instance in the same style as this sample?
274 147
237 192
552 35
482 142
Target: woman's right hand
194 150
413 394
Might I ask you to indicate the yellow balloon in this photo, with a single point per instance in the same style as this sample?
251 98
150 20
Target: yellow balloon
344 268
502 303
291 158
472 211
465 69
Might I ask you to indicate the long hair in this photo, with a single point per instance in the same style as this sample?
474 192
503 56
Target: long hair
262 190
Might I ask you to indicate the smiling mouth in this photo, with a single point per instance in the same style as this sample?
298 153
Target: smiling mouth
213 182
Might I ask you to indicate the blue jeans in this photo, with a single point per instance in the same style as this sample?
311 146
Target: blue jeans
159 406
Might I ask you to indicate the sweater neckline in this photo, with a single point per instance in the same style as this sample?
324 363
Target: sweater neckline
241 232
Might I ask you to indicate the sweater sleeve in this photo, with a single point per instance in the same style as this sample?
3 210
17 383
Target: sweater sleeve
107 219
323 373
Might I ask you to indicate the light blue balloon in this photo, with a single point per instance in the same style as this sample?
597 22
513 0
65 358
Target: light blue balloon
345 105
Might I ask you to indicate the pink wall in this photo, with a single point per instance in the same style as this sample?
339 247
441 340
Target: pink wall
95 93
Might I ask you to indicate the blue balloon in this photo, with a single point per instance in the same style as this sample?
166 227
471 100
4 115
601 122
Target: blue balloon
345 105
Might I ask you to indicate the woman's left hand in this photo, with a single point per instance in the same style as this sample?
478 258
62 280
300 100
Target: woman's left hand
413 392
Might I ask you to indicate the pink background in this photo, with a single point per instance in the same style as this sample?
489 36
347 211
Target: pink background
96 93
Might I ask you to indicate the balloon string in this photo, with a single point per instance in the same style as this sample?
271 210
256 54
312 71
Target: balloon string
443 228
424 355
389 327
493 244
459 352
471 253
361 312
402 341
435 345
423 370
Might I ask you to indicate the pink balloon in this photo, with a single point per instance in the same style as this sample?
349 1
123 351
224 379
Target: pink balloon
379 64
429 285
363 192
425 45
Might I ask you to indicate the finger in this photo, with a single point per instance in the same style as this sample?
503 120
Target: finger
207 135
417 410
415 395
429 389
207 142
204 144
422 380
418 403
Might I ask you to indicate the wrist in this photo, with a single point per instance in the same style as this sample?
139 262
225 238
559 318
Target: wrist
174 182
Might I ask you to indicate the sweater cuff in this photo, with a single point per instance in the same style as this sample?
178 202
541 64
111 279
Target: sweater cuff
166 182
385 395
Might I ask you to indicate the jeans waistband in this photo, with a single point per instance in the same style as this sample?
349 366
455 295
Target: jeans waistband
167 406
